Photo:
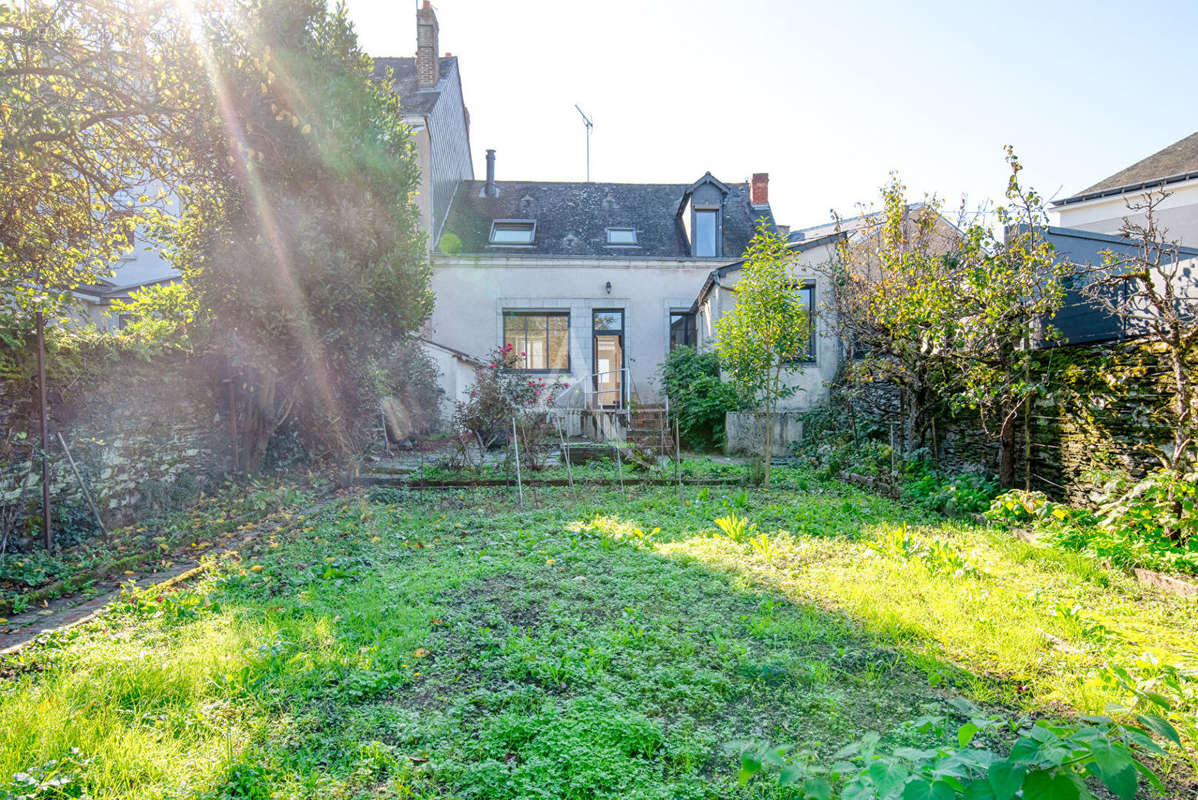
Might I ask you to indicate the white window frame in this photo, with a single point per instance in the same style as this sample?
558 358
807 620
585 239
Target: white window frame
498 224
635 237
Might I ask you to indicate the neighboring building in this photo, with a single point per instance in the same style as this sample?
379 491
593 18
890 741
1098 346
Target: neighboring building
1081 320
1091 223
143 266
430 91
1102 207
592 282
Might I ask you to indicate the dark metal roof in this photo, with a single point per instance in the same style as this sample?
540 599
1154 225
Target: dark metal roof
1177 162
1079 318
572 218
413 99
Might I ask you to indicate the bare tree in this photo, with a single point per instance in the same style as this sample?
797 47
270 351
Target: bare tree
1154 291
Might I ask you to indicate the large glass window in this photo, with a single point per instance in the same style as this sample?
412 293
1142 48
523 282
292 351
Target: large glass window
705 233
542 337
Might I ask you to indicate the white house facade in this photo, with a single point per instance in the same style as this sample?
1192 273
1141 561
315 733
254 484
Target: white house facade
1101 208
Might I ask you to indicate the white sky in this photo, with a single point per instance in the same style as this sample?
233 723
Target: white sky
827 98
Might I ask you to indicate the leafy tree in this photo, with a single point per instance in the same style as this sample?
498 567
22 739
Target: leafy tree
159 314
991 312
948 316
699 399
885 270
94 99
765 334
302 242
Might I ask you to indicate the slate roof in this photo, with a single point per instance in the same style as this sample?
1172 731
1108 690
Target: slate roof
572 218
1178 161
413 99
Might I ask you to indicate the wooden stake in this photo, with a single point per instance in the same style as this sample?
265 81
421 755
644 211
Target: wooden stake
516 446
561 437
677 458
83 486
47 533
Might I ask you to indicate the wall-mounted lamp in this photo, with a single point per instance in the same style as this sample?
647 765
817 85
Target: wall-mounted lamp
607 287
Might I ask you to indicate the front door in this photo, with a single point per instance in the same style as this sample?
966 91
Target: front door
608 350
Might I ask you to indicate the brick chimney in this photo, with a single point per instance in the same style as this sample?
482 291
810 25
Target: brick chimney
428 65
759 194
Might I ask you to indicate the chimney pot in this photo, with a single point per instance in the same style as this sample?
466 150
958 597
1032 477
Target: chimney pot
491 190
428 66
759 194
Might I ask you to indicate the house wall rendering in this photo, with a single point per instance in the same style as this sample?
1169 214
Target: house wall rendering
474 293
1177 213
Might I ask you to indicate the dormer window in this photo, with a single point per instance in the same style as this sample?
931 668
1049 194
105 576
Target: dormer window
621 236
513 231
706 232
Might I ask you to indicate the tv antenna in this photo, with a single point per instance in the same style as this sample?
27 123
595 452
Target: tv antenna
586 121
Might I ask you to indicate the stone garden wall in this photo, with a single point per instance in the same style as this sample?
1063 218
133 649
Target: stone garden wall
1105 402
148 437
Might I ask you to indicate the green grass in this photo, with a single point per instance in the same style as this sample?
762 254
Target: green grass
26 577
452 644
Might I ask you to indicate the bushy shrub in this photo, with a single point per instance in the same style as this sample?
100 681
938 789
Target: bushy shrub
1148 523
1163 504
159 313
1124 548
964 493
500 395
836 441
698 398
1048 760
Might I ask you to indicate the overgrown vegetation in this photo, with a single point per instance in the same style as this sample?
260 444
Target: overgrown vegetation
1136 525
300 236
457 645
502 402
699 398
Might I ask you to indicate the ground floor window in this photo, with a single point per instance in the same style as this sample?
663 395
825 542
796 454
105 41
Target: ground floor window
807 300
682 329
542 336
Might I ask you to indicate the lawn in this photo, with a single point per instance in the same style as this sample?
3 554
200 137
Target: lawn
590 645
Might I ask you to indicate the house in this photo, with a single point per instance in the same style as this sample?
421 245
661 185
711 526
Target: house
1102 207
592 283
143 266
813 375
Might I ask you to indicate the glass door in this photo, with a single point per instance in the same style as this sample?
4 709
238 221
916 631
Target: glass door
608 351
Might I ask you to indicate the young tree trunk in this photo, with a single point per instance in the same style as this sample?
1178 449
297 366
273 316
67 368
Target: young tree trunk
1027 447
1183 431
1006 451
259 415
